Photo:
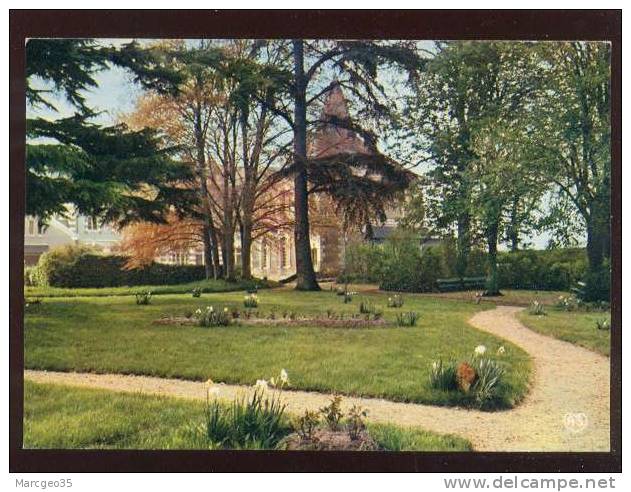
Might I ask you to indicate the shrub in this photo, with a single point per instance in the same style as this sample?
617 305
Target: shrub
209 317
465 376
396 301
80 266
251 301
256 423
31 276
363 263
489 375
333 413
595 286
197 292
143 298
307 423
356 424
536 309
443 376
407 319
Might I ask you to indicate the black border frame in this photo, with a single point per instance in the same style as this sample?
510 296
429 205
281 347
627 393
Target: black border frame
395 24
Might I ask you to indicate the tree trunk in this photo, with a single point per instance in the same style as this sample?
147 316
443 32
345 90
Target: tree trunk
595 242
208 255
305 275
492 287
246 248
464 244
513 231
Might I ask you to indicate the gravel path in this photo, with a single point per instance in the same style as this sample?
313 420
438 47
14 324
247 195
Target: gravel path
567 408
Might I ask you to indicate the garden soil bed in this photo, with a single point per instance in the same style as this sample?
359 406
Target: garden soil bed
320 322
327 440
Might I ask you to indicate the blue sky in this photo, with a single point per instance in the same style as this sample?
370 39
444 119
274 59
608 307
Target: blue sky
116 95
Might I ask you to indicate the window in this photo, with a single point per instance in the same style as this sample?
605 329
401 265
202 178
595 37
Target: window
314 257
264 255
91 224
283 252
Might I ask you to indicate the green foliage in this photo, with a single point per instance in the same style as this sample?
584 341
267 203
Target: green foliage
31 276
596 285
332 413
256 423
143 298
197 292
442 376
489 374
363 263
80 266
554 269
407 319
603 324
355 421
100 170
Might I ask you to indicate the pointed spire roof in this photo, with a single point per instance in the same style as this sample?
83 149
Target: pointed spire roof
331 139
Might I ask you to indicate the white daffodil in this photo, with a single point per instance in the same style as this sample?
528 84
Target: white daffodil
199 311
261 383
501 350
479 350
435 365
272 382
225 310
284 377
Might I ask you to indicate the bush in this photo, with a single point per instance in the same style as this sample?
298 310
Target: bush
536 309
489 376
31 276
79 266
363 263
596 286
332 413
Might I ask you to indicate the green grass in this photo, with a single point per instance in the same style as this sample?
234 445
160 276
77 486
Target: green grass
64 417
207 286
574 327
114 335
509 297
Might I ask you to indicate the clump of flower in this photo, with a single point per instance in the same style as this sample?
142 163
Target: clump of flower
407 319
209 317
143 298
488 377
536 309
396 301
567 303
197 292
465 376
501 350
251 301
442 376
603 324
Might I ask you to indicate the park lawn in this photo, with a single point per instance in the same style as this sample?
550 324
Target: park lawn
207 286
575 327
114 335
65 417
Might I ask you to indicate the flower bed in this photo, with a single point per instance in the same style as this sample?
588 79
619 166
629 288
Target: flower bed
350 322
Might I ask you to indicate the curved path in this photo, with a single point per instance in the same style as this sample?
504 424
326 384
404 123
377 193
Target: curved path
567 408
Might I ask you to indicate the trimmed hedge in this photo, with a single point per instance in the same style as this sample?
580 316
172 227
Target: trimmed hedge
399 265
78 266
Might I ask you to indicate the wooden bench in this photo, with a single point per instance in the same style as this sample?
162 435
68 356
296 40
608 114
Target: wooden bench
457 284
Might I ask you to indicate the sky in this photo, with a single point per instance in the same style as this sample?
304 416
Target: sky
116 95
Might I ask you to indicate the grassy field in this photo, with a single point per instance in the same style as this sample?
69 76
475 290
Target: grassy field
115 335
65 417
575 327
207 286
